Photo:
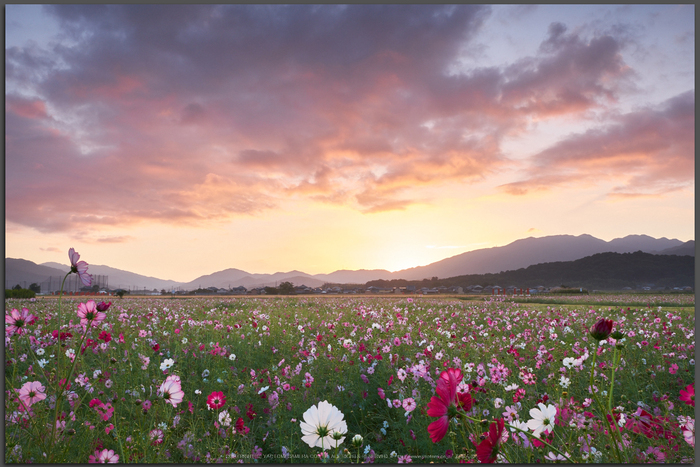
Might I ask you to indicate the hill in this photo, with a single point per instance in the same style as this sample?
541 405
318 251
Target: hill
604 271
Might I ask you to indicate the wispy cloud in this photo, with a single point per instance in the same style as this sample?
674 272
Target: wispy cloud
652 150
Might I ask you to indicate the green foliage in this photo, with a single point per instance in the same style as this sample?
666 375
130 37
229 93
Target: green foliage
19 293
35 287
286 288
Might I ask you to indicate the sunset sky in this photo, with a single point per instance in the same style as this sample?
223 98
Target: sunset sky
179 140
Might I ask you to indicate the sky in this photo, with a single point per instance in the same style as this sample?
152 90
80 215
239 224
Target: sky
180 140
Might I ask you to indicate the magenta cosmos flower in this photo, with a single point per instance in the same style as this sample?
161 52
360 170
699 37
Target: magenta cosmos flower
89 314
16 321
216 400
106 456
172 390
448 402
30 393
688 395
79 267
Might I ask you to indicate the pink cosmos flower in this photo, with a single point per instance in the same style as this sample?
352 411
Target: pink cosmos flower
409 404
89 314
689 432
380 391
673 369
106 456
30 393
156 437
105 410
216 400
446 404
79 267
688 395
172 390
16 321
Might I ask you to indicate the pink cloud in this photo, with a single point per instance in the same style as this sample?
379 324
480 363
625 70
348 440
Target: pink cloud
652 149
196 114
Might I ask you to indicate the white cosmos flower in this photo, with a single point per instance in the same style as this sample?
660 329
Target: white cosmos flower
232 357
167 363
320 423
542 419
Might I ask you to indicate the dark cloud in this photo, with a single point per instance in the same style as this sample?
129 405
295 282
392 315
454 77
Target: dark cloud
197 113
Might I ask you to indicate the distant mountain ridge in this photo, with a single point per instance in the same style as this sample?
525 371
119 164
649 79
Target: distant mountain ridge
516 255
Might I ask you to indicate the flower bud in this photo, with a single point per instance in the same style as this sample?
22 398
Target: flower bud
102 306
602 329
357 441
617 335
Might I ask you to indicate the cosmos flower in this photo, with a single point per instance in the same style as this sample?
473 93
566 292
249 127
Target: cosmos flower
320 423
106 456
89 314
156 437
167 363
225 418
601 329
542 419
409 405
172 390
30 393
688 395
216 400
446 404
689 432
80 268
16 321
487 450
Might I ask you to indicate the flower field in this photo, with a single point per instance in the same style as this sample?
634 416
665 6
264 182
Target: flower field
347 379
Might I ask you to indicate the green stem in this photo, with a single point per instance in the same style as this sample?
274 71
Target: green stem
60 323
520 430
605 411
59 395
119 440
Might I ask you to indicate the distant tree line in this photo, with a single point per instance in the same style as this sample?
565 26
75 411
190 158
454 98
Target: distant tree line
600 271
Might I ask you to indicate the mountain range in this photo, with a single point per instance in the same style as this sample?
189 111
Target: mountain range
516 255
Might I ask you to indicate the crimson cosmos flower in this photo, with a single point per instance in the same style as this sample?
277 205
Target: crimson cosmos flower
79 267
487 450
447 403
602 329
